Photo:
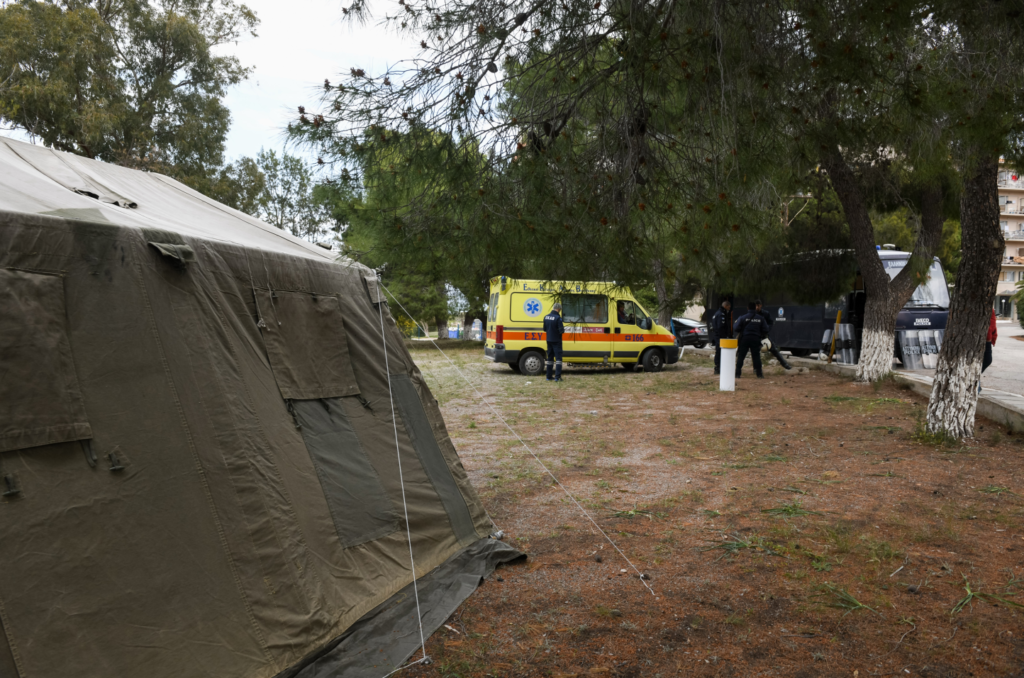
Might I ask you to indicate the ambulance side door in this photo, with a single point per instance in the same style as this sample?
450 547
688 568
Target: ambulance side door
627 337
587 330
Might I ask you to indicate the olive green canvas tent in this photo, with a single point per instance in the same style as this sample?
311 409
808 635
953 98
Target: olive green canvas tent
200 434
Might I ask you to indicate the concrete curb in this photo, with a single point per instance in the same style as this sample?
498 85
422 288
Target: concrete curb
1001 407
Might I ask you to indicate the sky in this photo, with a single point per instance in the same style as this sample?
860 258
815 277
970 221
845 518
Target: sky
300 44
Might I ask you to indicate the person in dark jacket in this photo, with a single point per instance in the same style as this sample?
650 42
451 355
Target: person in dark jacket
721 328
554 328
990 341
751 329
771 344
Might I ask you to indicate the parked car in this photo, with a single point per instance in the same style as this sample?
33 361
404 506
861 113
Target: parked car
690 332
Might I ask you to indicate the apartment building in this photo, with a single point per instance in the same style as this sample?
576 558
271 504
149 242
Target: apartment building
1011 220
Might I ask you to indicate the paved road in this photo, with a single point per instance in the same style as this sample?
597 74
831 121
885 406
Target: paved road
1006 373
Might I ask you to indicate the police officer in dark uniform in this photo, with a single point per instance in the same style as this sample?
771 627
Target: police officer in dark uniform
553 330
751 329
771 344
721 328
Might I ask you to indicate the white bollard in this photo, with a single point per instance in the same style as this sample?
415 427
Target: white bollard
727 378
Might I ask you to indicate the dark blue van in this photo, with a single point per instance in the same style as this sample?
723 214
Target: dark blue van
800 328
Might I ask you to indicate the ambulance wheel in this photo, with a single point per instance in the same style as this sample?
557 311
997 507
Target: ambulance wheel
653 360
531 363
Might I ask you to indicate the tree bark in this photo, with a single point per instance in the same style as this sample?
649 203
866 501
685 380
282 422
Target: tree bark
664 302
884 298
954 397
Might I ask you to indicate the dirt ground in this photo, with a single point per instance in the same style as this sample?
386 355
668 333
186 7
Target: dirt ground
801 526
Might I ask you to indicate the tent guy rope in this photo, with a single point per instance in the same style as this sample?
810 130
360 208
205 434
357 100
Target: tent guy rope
405 507
643 578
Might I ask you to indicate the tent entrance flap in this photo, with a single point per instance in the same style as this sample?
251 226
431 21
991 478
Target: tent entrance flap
359 506
422 435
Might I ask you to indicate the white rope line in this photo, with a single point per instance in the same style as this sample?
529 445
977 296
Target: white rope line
643 579
405 506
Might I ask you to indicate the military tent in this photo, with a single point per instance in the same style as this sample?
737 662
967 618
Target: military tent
200 434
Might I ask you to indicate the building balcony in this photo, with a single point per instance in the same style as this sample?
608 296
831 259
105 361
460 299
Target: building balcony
1012 185
1013 235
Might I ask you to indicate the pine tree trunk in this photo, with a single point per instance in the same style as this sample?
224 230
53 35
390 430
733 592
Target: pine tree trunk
884 298
467 323
664 302
954 397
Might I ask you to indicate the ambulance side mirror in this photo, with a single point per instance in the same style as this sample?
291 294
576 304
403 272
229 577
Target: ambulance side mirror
645 324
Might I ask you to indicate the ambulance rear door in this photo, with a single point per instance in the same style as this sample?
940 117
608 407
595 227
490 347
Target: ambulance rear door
587 336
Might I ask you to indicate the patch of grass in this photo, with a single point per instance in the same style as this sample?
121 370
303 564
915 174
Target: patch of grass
791 509
990 598
603 611
840 536
839 598
939 439
996 490
794 490
735 543
634 512
736 619
839 399
472 424
711 513
695 496
882 551
820 564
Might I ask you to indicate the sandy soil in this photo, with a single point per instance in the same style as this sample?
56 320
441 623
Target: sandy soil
801 526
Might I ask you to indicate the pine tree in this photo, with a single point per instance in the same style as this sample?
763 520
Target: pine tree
984 97
567 141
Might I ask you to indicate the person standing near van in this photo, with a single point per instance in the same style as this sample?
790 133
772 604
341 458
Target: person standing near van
751 329
554 328
771 344
721 328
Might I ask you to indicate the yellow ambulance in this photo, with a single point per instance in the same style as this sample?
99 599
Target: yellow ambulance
603 324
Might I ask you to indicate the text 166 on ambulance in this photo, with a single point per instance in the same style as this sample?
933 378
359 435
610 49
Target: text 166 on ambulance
603 324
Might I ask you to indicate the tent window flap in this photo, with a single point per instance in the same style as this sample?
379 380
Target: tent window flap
38 384
307 345
359 506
